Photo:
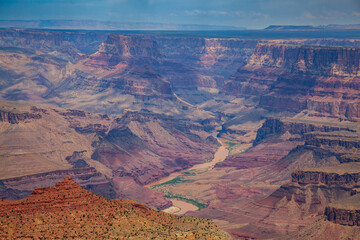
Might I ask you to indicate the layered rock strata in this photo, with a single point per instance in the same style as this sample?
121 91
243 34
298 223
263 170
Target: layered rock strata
320 79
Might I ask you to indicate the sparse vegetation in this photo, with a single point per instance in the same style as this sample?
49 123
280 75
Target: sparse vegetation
176 180
189 200
91 217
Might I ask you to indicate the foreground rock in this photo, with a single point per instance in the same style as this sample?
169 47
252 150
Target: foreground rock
69 211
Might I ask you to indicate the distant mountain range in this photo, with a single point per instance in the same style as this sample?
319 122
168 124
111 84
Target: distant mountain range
108 25
313 28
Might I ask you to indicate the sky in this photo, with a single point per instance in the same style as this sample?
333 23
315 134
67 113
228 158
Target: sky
252 14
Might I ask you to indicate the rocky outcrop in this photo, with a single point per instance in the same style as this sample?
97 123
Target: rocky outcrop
92 128
348 180
73 113
16 117
343 216
333 141
345 211
195 46
135 50
77 159
68 211
125 46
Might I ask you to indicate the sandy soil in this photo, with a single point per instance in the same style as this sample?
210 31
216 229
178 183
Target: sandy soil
183 206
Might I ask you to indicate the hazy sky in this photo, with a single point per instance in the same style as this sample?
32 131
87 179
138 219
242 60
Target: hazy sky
247 13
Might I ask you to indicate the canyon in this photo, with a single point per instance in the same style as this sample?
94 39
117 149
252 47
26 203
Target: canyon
103 153
259 134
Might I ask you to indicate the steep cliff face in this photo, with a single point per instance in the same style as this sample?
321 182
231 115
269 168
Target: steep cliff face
124 64
13 118
348 180
294 77
329 142
336 140
204 62
194 49
303 201
323 61
344 212
125 46
216 58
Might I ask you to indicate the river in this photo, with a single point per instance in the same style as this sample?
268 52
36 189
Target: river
181 207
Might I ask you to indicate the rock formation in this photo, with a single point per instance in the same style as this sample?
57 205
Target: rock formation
68 211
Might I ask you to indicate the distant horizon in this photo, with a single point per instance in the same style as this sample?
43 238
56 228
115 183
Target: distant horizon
128 24
160 25
251 14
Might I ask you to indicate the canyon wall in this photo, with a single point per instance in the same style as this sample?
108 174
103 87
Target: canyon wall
348 180
120 45
314 60
82 41
294 78
343 216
